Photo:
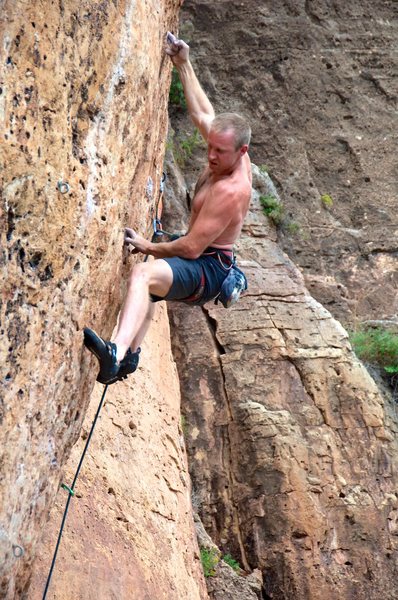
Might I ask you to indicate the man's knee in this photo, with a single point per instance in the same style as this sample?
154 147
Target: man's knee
157 275
140 272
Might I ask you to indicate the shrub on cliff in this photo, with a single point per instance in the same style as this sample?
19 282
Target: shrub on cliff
209 558
377 346
176 94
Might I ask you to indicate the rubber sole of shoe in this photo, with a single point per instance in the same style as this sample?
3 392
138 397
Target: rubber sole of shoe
129 364
97 346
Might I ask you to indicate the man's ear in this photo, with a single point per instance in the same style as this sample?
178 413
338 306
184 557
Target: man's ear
244 149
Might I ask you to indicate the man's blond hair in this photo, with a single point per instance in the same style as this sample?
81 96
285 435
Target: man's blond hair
227 121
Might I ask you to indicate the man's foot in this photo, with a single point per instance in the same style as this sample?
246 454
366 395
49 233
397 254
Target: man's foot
106 354
128 364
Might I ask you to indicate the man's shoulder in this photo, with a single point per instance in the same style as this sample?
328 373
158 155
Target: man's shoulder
226 189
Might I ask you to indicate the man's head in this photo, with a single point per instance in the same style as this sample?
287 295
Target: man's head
234 122
227 142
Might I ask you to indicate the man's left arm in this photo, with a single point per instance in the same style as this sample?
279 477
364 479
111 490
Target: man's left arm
212 220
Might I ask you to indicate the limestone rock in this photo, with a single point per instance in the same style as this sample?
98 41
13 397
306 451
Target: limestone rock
83 98
293 451
129 533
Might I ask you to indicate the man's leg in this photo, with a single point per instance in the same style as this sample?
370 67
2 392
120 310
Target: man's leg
153 277
139 336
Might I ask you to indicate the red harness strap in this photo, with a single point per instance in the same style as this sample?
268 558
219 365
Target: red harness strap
199 290
224 256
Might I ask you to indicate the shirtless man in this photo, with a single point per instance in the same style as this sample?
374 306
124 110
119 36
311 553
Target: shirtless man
193 267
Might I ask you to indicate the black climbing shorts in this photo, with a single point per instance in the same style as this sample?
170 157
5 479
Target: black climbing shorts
188 277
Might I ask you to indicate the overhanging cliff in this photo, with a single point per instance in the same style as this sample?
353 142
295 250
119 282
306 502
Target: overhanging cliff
83 103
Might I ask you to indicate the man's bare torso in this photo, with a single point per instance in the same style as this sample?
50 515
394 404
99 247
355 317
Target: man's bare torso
240 184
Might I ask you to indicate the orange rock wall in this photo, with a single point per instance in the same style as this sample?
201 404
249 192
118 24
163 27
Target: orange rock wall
129 533
84 89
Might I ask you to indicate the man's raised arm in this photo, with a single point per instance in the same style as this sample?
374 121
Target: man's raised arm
199 106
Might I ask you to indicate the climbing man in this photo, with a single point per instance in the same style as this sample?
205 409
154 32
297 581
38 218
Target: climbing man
193 267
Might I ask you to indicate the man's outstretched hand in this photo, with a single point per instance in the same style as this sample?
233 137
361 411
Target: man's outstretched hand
177 49
131 238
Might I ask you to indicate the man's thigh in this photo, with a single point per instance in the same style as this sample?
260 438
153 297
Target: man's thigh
160 277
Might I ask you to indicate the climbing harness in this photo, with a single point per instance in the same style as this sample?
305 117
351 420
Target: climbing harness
225 257
231 288
71 492
198 293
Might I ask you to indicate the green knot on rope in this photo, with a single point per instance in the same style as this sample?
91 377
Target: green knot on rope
68 489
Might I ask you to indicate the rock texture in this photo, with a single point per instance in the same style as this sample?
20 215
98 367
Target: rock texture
129 533
226 583
318 82
293 451
83 98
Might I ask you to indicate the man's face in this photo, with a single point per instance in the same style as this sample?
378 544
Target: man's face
221 152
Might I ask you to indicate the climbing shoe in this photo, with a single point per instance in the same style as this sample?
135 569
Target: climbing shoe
106 354
128 364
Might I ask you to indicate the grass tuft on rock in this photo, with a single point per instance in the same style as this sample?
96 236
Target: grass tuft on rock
272 208
377 346
176 94
209 558
227 558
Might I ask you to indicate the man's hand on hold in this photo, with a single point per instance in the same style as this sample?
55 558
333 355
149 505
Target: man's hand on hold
131 238
177 49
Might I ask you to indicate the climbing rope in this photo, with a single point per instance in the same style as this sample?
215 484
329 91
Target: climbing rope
71 491
157 230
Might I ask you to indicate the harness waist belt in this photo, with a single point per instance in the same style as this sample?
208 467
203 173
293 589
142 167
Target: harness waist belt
225 254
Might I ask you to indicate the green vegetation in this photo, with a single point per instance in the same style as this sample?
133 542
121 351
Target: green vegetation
272 208
184 425
327 200
190 142
176 94
263 169
231 562
183 147
275 211
377 346
293 227
210 559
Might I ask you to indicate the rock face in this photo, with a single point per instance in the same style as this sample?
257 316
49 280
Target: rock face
293 451
318 82
83 99
225 582
129 533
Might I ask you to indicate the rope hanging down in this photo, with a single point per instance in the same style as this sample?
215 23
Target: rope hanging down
71 491
157 231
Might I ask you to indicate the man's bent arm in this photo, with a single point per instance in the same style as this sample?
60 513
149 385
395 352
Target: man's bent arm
184 247
212 220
